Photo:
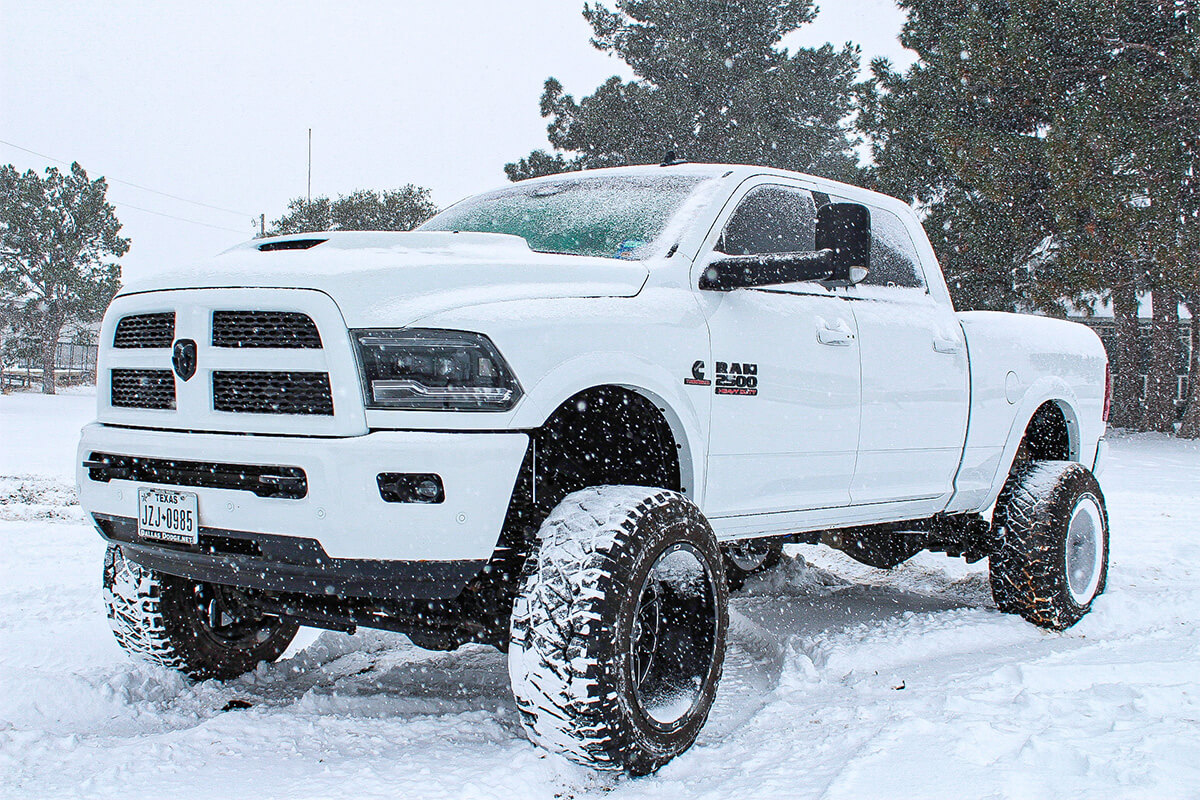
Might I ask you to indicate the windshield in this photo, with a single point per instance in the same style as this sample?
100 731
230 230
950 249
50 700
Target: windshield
610 216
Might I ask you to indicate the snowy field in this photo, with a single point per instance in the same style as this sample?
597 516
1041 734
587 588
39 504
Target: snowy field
842 681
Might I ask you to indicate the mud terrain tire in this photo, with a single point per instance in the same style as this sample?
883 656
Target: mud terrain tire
161 618
618 632
1050 559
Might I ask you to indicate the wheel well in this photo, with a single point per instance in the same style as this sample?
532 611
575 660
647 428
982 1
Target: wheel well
1047 436
605 435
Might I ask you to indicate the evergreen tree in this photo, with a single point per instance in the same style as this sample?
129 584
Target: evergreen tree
712 84
364 210
960 134
58 241
1053 145
1123 161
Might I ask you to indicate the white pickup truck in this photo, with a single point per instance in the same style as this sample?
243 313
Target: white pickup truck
566 418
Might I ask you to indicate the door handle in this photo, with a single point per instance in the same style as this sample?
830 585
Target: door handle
838 335
946 344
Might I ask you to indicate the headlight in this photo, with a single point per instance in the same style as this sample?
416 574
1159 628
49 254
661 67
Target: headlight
433 370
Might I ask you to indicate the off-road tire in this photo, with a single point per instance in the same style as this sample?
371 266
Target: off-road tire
736 573
576 622
156 617
1028 566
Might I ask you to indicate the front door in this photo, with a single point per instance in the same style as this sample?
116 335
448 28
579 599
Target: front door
785 372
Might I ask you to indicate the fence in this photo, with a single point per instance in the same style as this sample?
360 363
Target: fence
73 364
1106 329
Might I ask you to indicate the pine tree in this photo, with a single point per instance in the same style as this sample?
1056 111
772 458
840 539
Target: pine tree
712 83
961 134
1053 146
363 210
58 239
1123 159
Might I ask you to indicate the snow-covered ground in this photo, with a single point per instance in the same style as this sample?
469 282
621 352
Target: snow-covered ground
842 682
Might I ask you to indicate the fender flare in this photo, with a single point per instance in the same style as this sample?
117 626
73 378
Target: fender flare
1047 389
652 381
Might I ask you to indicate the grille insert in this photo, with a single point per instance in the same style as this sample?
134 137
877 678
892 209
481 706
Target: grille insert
282 329
263 480
142 388
145 330
273 393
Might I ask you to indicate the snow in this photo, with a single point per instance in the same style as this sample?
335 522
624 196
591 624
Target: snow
842 681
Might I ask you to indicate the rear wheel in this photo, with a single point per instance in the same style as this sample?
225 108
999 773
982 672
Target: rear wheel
199 629
618 632
749 557
1051 558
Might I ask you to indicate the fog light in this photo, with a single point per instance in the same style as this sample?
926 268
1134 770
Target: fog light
404 487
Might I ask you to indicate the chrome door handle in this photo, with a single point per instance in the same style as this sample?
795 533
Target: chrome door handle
839 335
945 344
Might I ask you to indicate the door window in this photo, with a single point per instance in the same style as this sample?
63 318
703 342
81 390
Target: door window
771 219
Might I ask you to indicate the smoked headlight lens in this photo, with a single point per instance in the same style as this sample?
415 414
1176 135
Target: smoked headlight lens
416 368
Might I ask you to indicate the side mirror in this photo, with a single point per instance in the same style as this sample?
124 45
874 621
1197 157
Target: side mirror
845 229
727 273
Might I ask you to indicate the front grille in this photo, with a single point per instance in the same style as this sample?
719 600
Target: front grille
145 330
283 329
273 393
143 388
263 480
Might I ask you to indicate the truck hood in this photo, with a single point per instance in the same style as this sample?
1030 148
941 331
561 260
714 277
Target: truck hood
396 279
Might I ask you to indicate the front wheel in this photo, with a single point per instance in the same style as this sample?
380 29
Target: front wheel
618 632
1050 560
196 628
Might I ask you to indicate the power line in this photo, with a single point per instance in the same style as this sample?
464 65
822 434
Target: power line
181 219
137 186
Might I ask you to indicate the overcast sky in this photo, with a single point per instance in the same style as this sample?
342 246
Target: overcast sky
211 101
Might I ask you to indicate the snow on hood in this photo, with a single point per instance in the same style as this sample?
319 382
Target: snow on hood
395 279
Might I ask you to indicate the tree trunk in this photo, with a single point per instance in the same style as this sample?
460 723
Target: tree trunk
1126 360
1164 363
49 351
1190 429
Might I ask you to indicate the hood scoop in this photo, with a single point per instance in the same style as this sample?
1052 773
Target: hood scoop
427 242
289 244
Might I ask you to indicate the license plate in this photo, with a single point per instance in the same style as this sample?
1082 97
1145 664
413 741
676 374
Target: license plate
168 516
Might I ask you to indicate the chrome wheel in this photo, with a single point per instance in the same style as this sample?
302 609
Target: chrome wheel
748 556
1085 549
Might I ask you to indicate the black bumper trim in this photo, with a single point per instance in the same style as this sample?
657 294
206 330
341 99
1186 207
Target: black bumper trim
264 480
274 563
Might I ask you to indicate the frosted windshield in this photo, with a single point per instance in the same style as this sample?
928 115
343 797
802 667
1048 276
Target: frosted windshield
613 217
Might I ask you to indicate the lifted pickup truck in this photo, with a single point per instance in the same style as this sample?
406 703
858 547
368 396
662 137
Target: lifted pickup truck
565 418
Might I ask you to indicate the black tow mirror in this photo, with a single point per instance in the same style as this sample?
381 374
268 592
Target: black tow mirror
842 256
727 273
845 229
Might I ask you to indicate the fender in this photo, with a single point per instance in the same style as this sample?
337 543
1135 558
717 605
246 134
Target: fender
637 374
1046 389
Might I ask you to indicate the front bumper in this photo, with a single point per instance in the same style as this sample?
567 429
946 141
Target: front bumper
342 511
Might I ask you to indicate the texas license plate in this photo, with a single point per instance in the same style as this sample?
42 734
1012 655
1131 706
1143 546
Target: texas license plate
166 515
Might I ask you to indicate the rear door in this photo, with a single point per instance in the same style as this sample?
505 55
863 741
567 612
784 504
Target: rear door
915 380
785 370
